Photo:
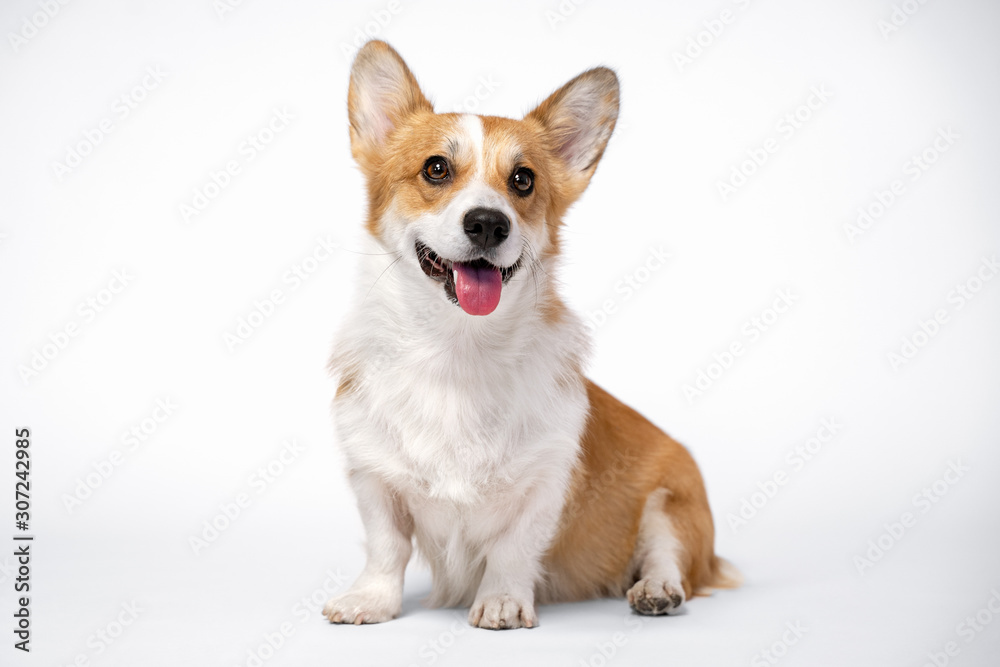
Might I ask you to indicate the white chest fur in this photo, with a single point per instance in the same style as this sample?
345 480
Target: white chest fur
469 420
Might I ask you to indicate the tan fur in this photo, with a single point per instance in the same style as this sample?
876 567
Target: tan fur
625 459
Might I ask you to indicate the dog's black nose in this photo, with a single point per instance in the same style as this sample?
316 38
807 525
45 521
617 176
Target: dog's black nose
486 227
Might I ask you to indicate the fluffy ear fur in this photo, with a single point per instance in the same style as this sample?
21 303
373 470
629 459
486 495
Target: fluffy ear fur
382 93
579 119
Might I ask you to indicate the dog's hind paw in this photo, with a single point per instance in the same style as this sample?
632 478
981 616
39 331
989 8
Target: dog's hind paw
653 597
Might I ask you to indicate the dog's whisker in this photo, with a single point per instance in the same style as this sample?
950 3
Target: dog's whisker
391 264
369 254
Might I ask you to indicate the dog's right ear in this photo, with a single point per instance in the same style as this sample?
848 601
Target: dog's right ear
382 93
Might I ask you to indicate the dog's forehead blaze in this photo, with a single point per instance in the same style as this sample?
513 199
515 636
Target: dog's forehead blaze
490 156
507 145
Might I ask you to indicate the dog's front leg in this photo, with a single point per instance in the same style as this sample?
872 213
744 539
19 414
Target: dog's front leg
506 595
377 595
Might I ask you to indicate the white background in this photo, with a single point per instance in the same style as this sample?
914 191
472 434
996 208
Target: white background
683 130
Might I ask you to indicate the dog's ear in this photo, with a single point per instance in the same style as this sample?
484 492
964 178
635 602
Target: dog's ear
579 119
382 93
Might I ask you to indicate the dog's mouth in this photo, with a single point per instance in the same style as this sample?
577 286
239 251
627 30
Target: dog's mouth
474 285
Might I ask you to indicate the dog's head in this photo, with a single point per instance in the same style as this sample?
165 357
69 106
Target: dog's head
469 202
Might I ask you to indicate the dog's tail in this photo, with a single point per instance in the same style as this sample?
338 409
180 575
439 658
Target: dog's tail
724 575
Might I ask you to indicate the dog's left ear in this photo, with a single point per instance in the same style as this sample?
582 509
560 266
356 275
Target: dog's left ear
579 119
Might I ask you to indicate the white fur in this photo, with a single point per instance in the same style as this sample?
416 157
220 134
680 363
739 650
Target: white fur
463 430
472 128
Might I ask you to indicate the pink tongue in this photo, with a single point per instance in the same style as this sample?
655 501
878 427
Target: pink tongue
478 290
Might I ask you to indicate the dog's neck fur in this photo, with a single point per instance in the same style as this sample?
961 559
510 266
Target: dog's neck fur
401 323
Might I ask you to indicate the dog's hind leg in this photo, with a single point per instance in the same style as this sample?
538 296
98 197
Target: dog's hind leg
659 561
674 558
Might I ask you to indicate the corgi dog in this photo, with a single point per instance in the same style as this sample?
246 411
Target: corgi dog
466 421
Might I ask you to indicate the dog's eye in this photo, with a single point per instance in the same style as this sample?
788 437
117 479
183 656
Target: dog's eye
436 169
523 181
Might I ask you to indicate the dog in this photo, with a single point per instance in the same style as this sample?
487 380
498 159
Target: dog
467 424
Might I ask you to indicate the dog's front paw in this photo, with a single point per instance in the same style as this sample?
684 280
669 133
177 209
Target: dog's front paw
655 596
503 612
362 606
